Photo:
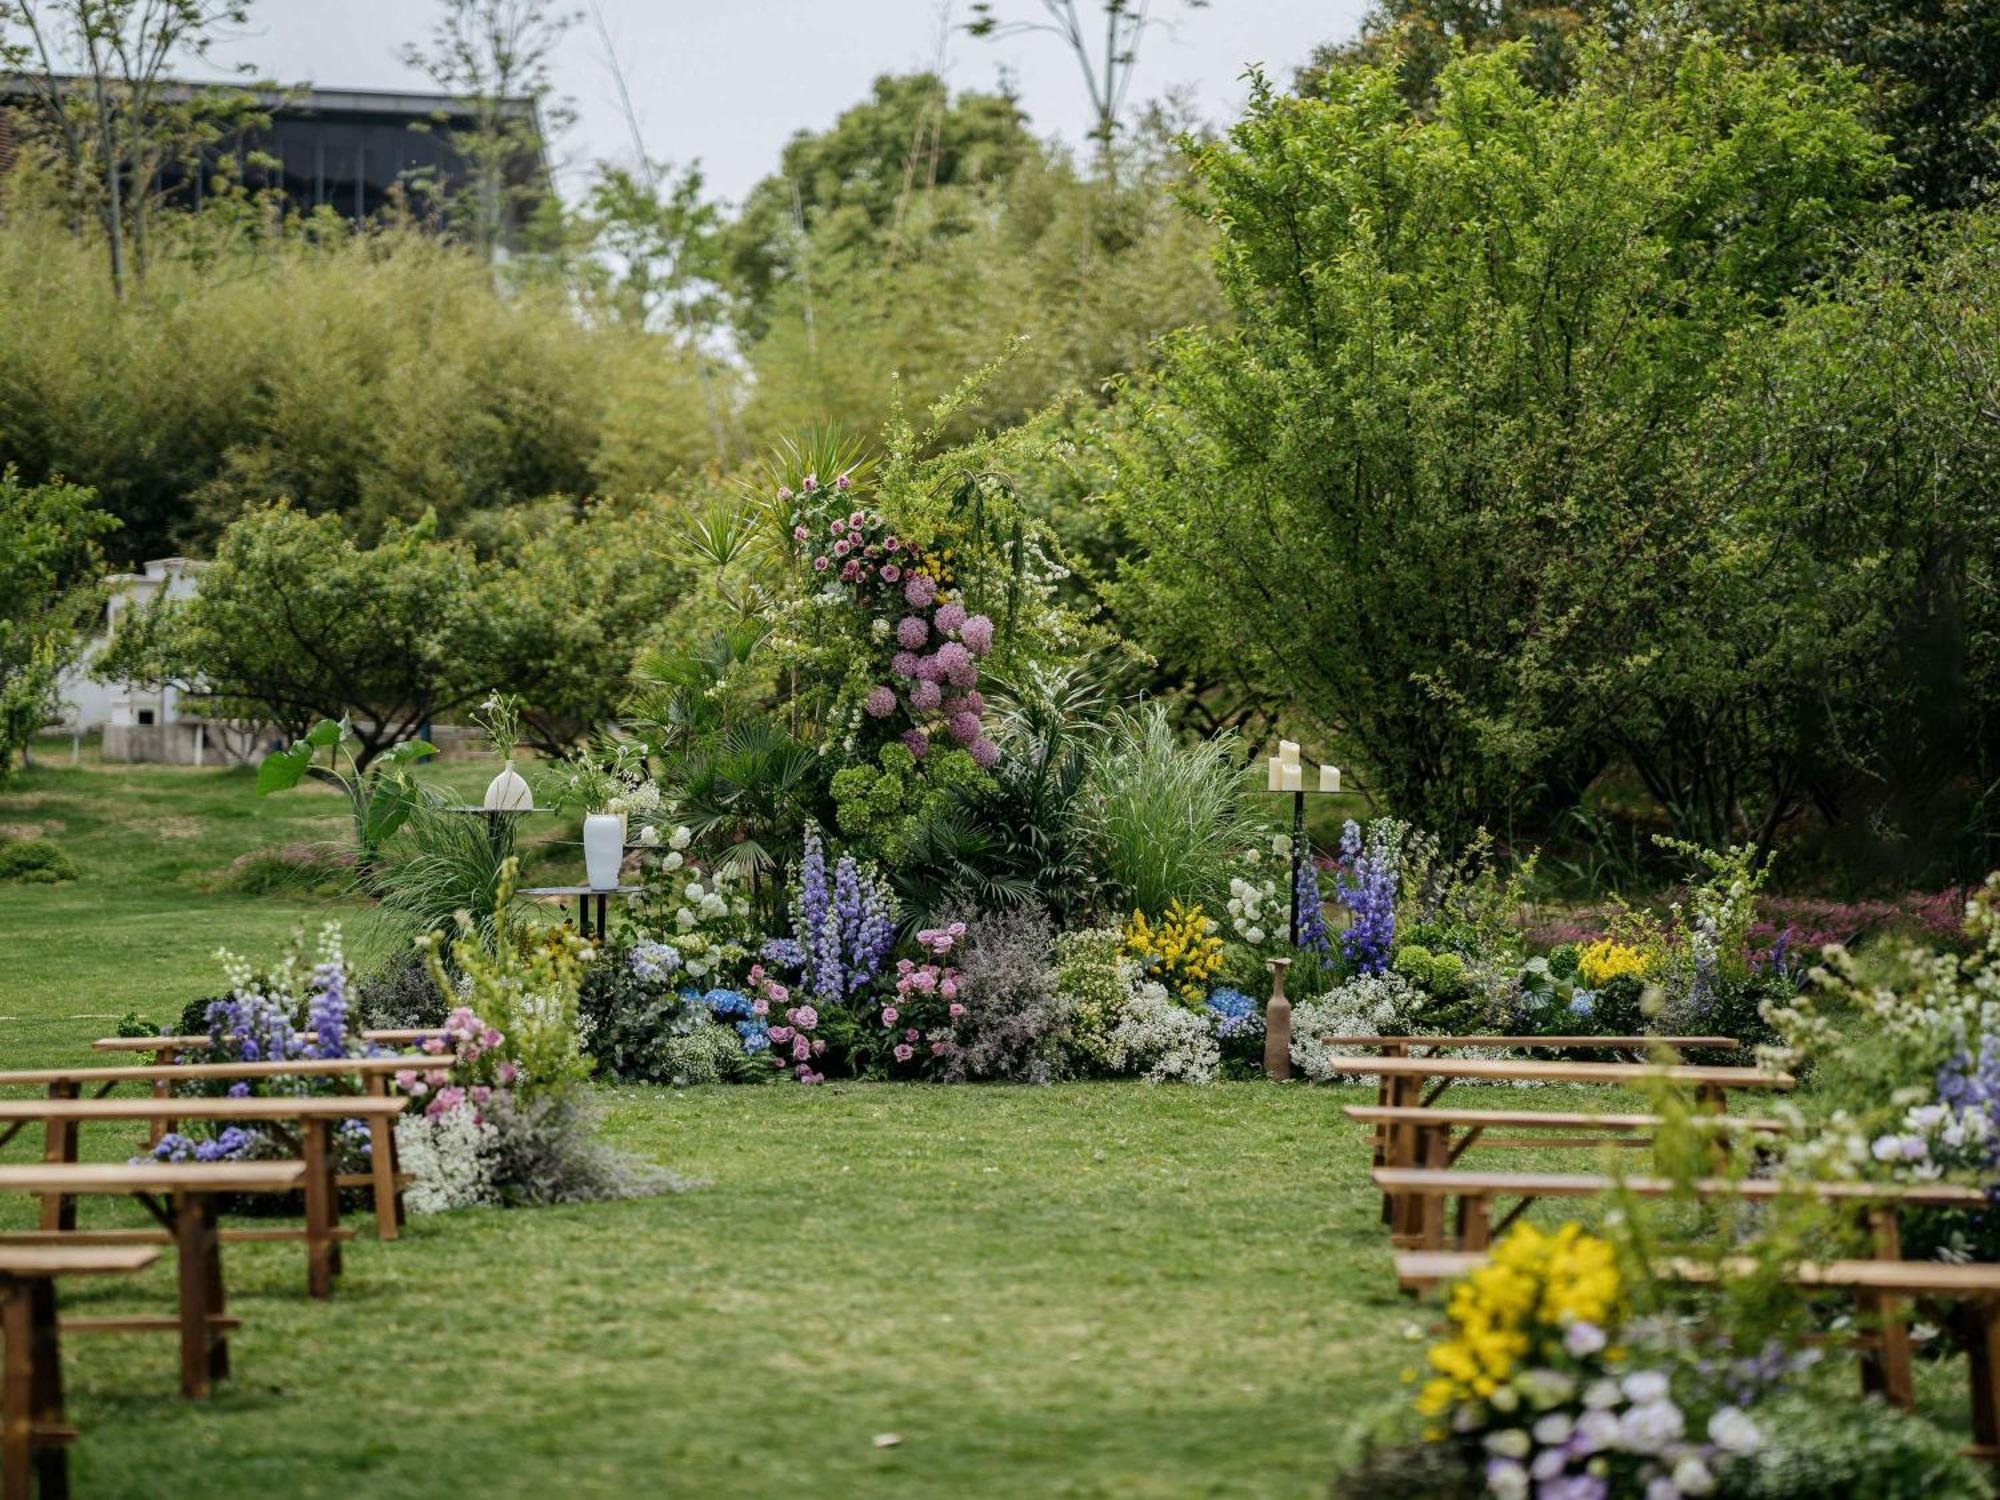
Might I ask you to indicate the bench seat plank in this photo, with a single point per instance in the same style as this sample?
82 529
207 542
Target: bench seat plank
1433 1181
1546 1043
1392 1114
316 1106
25 1261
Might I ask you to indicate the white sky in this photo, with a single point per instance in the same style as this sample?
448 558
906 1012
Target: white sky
729 81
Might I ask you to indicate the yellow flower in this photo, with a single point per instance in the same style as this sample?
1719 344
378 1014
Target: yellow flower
1606 960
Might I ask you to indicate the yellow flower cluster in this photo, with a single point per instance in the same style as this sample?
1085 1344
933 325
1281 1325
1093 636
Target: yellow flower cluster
1534 1286
1182 952
1606 960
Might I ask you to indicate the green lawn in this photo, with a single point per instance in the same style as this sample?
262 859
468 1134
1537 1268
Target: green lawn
1095 1290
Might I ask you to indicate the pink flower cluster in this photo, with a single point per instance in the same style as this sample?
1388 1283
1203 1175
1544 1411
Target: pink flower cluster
768 992
464 1053
920 987
939 685
799 1020
855 546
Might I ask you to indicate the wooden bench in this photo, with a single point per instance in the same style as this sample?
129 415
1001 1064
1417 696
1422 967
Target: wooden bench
1475 1192
180 1196
1878 1286
374 1073
306 1120
34 1435
1400 1046
1439 1137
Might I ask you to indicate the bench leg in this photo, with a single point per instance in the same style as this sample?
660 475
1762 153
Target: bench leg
1886 1369
1473 1230
1437 1156
59 1149
51 1456
198 1251
382 1165
1986 1375
322 1198
17 1419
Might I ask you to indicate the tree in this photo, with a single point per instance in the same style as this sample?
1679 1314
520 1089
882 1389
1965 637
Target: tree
852 187
496 55
294 623
50 568
1932 69
1425 487
1107 65
100 72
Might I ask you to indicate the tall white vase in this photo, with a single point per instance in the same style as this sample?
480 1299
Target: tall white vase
507 792
603 849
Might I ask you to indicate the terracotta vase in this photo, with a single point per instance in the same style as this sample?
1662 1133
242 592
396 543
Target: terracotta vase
1278 1024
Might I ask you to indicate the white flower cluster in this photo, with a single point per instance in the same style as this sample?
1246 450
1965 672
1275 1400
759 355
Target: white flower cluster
710 919
1637 1415
1254 905
450 1157
1167 1042
1368 1005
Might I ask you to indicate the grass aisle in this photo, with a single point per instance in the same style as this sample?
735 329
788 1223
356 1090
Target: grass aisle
1094 1290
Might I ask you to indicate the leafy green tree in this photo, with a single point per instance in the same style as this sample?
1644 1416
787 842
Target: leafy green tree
852 187
1424 488
50 567
295 622
1932 69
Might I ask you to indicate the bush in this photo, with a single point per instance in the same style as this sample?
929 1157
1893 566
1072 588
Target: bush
546 1150
1012 1026
35 862
1163 1040
1830 1450
400 995
1093 980
292 869
1370 1005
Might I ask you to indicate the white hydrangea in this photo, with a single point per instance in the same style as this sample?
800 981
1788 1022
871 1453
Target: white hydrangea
450 1158
1167 1042
679 838
1369 1005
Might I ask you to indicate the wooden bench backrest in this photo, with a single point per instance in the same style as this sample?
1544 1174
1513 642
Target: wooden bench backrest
1392 1114
1514 1070
305 1067
1546 1043
1911 1277
314 1106
201 1043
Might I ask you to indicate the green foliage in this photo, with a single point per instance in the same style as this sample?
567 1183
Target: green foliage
1930 69
1426 489
49 567
1165 819
35 862
375 376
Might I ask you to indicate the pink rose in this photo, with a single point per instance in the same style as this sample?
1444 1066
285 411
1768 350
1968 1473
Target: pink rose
937 1049
890 1015
821 564
856 519
433 1045
903 1052
406 1080
780 1035
798 533
910 1035
842 482
760 1006
890 572
810 483
801 1049
957 1010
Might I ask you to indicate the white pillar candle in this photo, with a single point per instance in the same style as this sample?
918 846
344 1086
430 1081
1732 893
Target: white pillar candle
1294 779
1288 752
1329 778
1277 768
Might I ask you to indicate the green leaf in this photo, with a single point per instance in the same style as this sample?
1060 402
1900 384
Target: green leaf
322 736
411 750
388 809
282 770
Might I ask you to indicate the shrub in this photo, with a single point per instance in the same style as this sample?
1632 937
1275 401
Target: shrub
1163 1040
1829 1450
289 869
400 994
1012 1026
1093 980
546 1150
35 862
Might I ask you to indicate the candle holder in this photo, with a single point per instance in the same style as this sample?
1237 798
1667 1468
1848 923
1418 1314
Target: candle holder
1283 765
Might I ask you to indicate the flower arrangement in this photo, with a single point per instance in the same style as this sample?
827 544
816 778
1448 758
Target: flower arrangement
1182 950
1541 1383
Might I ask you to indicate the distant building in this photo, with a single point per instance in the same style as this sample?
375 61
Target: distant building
143 723
351 150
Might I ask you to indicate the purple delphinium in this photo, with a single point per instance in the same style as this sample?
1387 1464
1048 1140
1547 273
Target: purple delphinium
867 931
809 916
1368 891
1968 1084
251 1028
1312 913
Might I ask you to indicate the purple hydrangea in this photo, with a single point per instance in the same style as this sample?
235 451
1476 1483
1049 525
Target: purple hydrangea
917 743
919 590
977 633
912 632
964 727
880 703
949 617
956 664
985 754
926 695
904 664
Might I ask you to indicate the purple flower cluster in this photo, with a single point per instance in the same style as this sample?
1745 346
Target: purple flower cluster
1312 910
233 1142
1368 890
1971 1084
326 1013
842 932
939 684
251 1028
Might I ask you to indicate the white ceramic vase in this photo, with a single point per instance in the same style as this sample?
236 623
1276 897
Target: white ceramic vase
507 792
603 849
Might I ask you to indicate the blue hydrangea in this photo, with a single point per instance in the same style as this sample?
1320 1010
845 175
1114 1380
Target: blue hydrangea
724 1004
1583 1003
756 1036
1233 1013
653 962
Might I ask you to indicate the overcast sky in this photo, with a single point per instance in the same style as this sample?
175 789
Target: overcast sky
729 81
